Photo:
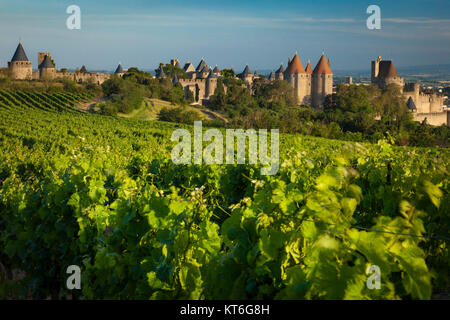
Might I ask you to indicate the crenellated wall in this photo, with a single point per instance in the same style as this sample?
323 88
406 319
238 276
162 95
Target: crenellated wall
98 78
434 118
202 89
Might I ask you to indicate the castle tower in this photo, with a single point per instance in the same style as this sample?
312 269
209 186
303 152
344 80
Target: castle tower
272 76
247 76
279 74
216 71
300 80
202 70
384 73
41 57
322 82
211 84
189 69
47 70
119 71
19 66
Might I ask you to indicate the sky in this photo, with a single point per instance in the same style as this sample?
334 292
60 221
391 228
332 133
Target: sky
229 33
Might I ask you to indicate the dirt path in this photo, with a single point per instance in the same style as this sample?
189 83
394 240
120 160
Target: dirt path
213 115
87 106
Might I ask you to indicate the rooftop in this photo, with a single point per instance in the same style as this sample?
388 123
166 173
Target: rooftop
19 55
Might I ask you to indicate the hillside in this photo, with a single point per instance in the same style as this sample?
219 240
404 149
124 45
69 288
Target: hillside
105 190
151 108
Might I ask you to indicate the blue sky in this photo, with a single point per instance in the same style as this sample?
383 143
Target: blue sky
227 32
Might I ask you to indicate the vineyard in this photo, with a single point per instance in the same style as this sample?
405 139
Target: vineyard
102 193
61 101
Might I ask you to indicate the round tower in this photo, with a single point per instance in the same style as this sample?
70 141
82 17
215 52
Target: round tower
47 70
296 75
19 66
279 74
119 71
211 84
322 82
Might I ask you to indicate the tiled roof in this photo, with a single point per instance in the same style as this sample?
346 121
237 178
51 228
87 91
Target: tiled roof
322 67
387 70
309 68
295 67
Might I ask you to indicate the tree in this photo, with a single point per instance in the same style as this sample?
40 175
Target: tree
218 100
393 104
228 73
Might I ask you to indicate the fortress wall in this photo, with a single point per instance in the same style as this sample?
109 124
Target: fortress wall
196 86
435 118
426 103
98 78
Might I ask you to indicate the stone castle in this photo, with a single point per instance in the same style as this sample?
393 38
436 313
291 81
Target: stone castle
21 68
422 105
311 86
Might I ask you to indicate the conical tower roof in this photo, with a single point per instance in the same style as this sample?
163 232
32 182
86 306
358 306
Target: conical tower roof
47 63
246 71
201 65
281 69
272 76
19 55
387 70
322 66
309 68
216 70
410 104
212 75
295 67
119 69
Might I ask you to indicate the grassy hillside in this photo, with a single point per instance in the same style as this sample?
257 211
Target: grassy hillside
151 107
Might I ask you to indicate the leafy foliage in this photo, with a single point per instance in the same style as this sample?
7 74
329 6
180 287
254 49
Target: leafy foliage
102 193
